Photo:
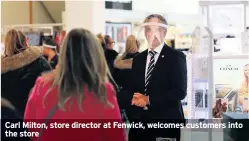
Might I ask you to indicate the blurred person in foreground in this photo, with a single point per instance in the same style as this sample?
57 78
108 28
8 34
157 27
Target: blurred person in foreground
159 83
49 50
123 66
9 114
80 88
20 67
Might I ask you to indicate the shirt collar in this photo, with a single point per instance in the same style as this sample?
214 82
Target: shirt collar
158 49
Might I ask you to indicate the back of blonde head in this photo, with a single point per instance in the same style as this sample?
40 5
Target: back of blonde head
14 42
81 65
101 38
131 45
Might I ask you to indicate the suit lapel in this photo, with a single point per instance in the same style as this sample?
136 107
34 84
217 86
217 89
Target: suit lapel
142 63
160 59
159 64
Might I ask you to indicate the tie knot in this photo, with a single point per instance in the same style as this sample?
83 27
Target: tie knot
152 53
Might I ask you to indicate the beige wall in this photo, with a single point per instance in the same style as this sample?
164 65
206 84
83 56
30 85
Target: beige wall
39 14
16 12
77 17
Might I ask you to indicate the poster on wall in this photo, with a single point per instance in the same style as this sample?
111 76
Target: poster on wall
231 86
119 33
109 30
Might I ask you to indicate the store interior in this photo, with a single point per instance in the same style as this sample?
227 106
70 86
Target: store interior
213 35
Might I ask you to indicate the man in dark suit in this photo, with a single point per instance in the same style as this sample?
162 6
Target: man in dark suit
159 84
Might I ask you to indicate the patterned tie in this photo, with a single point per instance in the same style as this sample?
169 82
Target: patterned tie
149 72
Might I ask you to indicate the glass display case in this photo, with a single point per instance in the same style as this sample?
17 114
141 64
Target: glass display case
201 75
219 81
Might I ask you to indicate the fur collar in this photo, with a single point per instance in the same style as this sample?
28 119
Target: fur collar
123 64
20 60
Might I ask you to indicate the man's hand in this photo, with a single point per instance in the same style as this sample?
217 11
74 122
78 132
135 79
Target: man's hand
141 96
139 100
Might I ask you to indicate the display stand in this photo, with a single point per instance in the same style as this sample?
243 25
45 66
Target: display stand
219 11
201 74
216 76
202 77
245 42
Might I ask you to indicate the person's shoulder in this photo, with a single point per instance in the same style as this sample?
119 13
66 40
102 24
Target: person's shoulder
109 87
41 59
110 92
41 87
140 55
43 63
111 51
57 56
23 59
174 52
9 113
44 81
114 52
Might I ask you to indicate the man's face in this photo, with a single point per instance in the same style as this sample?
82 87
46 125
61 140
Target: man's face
154 34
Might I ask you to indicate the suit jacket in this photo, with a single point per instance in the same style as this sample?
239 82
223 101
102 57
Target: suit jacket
167 86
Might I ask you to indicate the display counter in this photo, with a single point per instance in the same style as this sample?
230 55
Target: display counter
229 89
236 134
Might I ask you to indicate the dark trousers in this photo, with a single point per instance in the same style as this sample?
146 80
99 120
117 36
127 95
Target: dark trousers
154 134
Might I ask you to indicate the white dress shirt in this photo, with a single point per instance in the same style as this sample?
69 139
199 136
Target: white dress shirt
158 51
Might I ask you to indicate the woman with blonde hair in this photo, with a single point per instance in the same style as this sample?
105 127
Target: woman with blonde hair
243 90
131 49
78 93
107 44
20 67
101 39
123 65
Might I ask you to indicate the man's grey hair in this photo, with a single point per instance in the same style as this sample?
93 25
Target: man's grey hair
160 17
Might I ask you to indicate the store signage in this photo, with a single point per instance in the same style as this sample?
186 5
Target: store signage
229 68
230 82
118 4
